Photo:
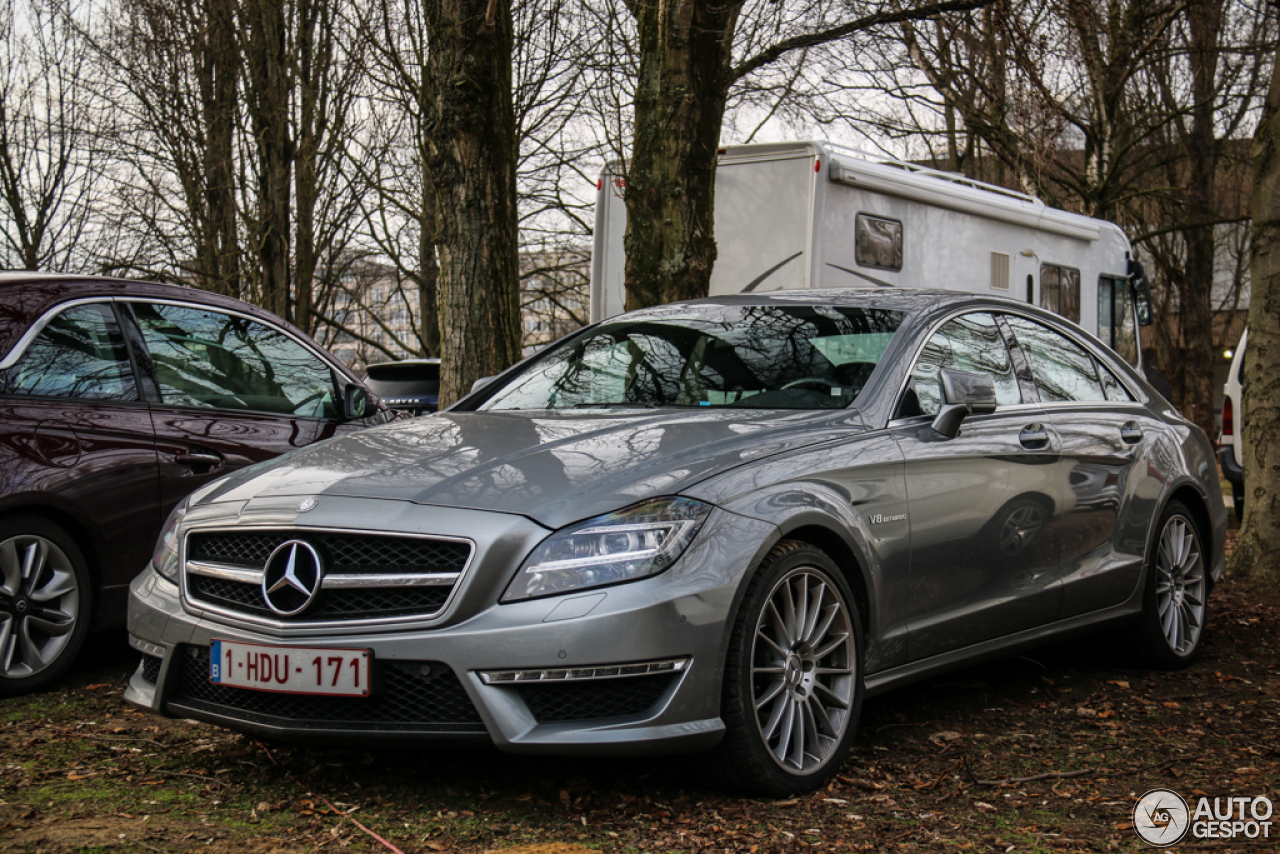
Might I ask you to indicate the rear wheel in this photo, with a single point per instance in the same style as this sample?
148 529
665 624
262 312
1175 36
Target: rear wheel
45 599
1170 631
1237 498
793 678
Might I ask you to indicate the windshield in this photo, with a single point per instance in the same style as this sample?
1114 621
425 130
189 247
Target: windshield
775 357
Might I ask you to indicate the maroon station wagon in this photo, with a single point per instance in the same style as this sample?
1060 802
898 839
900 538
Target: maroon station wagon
117 399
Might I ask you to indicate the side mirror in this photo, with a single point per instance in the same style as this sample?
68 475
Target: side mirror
963 394
355 402
481 383
1141 289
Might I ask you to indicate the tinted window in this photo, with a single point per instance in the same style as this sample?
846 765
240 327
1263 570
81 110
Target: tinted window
80 354
970 343
1114 389
1063 371
206 358
777 357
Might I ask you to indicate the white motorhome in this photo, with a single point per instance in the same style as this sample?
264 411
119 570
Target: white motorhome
816 215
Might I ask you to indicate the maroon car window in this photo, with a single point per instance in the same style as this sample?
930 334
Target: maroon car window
79 353
224 361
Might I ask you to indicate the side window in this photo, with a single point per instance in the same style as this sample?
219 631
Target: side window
877 242
1113 387
1117 323
1063 371
1060 291
79 353
222 361
969 343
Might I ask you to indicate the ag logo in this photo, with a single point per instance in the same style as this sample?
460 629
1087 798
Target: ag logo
292 577
1161 817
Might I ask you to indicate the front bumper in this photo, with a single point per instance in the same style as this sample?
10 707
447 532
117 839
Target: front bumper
429 685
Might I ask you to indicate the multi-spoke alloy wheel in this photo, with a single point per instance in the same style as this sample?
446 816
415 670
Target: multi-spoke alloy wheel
43 604
803 670
1180 585
1175 605
793 682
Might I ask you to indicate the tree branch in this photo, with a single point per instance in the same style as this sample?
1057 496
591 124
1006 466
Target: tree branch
867 22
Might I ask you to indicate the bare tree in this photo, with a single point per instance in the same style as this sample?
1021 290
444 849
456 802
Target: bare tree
1123 111
1258 551
49 158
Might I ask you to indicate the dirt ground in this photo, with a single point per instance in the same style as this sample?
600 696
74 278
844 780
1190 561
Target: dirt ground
1043 752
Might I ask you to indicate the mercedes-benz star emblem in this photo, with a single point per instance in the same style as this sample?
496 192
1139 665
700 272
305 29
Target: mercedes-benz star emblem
292 577
307 504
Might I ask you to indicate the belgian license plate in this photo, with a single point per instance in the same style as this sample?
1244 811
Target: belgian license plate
290 669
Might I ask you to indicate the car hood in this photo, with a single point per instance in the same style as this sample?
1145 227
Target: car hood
554 467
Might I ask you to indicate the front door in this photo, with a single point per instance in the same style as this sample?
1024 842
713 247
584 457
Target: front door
983 506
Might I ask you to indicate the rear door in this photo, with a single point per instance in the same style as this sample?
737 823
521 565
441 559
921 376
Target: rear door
229 390
1114 481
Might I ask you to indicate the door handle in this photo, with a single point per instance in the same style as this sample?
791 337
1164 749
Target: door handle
1131 433
198 457
1034 437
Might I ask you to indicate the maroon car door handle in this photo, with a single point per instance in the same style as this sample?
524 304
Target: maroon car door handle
199 457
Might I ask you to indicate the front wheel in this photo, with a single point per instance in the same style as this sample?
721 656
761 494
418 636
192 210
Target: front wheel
44 603
1175 610
793 679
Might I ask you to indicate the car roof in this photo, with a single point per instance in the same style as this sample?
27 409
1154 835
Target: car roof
25 296
909 300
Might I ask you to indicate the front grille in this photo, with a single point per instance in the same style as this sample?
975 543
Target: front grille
409 696
351 555
558 702
150 669
348 604
346 553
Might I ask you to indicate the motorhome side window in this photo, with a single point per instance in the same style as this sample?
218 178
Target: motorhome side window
878 242
1060 290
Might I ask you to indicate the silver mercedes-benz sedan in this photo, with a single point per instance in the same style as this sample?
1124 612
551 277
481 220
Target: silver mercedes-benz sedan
708 526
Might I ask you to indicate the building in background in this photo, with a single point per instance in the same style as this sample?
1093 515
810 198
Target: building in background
373 313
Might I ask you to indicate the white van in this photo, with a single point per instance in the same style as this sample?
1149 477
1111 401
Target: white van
1231 441
799 215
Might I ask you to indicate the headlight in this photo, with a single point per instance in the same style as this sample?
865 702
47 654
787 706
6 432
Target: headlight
165 557
635 542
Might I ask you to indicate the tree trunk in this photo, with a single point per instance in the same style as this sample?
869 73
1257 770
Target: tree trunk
1203 150
218 57
1258 552
685 53
472 166
267 98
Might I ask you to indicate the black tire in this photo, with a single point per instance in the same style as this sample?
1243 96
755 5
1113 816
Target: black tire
1237 498
817 677
46 600
1175 608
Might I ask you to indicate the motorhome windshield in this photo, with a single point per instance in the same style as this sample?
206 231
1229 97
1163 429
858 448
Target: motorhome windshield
792 357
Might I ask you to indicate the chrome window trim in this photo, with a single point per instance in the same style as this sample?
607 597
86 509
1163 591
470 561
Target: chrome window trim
192 605
1135 402
20 348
